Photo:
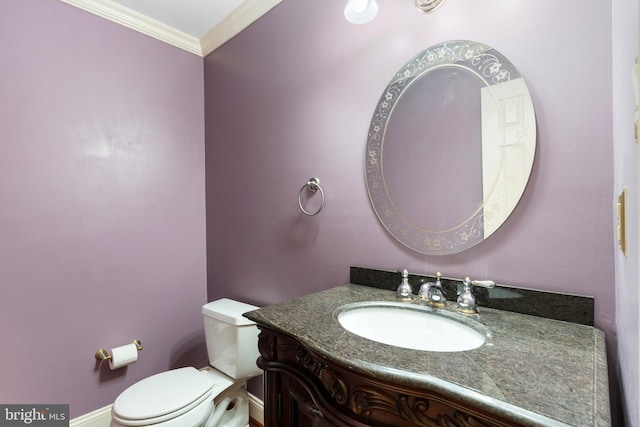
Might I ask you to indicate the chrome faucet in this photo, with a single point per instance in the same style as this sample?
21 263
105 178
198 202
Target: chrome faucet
423 292
466 299
433 293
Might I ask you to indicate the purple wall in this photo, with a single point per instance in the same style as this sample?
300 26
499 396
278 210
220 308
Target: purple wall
292 96
625 51
102 212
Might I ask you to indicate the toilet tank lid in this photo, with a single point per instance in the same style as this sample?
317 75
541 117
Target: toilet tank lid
229 311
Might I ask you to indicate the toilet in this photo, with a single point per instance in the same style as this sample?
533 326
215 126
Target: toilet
215 396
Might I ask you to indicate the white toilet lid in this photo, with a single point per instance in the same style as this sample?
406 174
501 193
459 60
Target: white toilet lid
165 395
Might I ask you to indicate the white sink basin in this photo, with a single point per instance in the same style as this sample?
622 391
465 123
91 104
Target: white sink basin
412 326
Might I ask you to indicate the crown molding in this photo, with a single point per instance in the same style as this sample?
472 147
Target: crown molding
247 13
136 21
238 20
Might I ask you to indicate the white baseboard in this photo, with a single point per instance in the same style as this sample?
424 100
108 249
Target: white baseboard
102 417
98 418
256 409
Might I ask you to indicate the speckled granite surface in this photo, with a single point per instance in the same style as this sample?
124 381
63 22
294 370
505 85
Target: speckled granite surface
535 371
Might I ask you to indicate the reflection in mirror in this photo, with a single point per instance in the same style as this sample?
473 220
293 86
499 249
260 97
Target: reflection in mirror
450 147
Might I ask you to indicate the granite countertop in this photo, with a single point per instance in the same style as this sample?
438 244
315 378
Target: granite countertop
533 370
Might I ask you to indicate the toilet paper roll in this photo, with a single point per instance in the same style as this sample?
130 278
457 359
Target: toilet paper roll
123 356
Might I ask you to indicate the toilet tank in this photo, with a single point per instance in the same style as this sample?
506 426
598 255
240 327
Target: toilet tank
232 340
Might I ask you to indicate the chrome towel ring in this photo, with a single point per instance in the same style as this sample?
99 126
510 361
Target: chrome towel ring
312 185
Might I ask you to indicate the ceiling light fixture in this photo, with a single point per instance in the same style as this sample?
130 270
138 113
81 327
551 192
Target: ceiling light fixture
428 5
361 11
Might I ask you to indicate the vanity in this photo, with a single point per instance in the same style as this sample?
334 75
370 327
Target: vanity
530 371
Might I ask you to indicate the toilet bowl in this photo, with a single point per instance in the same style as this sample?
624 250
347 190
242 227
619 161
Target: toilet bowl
214 396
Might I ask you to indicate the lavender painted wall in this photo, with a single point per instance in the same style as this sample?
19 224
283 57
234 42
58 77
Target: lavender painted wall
291 97
625 51
102 211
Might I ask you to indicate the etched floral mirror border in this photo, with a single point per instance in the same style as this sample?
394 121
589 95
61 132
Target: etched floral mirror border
493 69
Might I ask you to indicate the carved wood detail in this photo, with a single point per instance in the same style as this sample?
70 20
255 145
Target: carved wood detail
267 345
311 411
365 398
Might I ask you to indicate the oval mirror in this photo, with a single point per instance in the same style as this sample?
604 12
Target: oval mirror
450 147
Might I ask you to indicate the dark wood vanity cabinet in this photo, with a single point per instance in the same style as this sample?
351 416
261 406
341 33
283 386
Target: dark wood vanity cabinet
303 389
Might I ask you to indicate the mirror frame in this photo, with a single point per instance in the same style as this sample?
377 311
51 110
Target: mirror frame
492 69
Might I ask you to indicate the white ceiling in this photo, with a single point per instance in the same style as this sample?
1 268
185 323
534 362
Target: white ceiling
197 26
193 17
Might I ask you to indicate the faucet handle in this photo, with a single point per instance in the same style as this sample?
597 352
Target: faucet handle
466 299
404 292
483 283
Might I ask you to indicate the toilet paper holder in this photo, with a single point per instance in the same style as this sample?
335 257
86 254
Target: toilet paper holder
103 354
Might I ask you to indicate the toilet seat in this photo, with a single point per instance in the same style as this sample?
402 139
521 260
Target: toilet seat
163 397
